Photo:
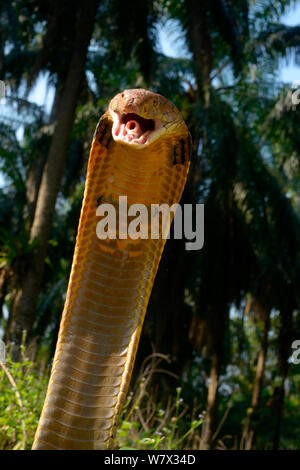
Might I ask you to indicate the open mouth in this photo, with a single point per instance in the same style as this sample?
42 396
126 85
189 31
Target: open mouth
134 129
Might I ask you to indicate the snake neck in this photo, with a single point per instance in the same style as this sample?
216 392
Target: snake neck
109 289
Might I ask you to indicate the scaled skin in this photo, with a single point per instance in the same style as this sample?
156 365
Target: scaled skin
111 280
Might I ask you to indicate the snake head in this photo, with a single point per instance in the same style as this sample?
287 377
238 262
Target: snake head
140 117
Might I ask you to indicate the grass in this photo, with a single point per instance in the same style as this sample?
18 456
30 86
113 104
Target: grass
147 424
22 392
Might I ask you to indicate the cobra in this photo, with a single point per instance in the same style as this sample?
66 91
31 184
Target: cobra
141 149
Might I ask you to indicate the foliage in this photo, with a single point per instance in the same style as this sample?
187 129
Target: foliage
158 428
22 393
147 423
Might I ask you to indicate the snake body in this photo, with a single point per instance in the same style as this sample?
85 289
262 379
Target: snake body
141 149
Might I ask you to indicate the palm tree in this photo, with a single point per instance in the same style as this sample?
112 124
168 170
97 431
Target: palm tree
24 311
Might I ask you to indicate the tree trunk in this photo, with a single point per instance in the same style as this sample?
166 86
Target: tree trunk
248 438
277 410
284 342
202 48
26 302
212 404
35 171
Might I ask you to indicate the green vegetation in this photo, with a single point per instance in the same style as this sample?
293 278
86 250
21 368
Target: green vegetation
22 393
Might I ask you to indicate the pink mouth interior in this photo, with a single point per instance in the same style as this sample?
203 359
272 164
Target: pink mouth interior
133 128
